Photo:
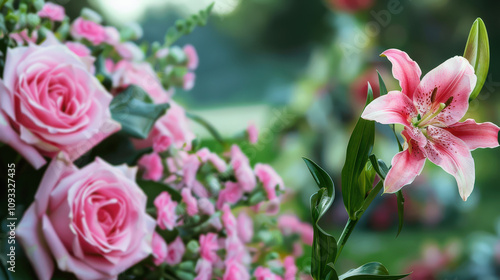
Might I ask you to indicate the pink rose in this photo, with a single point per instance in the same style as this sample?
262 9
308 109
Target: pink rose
92 222
152 166
270 179
262 273
206 206
87 29
209 247
52 11
160 250
142 75
176 251
245 227
192 57
56 106
235 271
191 203
290 268
242 170
232 193
165 207
253 133
78 48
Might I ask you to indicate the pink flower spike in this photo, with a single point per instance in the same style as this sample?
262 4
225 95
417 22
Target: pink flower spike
192 57
253 133
430 111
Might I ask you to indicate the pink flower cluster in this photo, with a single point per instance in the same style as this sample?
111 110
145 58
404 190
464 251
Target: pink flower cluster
97 222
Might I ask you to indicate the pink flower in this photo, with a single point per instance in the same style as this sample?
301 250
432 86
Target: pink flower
242 170
129 51
351 5
142 75
253 133
152 166
290 224
431 110
290 268
92 222
235 271
207 156
232 193
159 249
190 167
176 251
78 48
112 35
188 81
206 206
245 227
236 250
23 37
209 247
191 203
56 106
52 11
86 29
172 129
165 207
262 273
270 179
229 220
192 57
203 270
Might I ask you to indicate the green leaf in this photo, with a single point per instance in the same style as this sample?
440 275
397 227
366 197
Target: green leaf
324 248
401 210
153 189
322 179
359 148
381 84
367 177
477 52
136 112
370 271
379 166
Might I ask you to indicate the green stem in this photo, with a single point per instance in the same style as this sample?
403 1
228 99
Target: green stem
351 224
349 228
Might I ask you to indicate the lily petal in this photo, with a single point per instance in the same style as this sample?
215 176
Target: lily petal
454 81
476 135
453 155
394 107
406 165
405 70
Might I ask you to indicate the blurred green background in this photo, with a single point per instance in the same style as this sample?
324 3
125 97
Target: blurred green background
298 70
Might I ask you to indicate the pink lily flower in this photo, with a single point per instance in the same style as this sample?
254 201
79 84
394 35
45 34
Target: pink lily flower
430 110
